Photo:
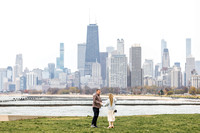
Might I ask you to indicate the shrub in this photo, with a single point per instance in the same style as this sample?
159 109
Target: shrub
169 92
192 91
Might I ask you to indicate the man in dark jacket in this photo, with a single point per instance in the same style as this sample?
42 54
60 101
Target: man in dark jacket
97 102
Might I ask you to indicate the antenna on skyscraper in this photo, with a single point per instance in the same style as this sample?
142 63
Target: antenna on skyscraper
89 15
95 20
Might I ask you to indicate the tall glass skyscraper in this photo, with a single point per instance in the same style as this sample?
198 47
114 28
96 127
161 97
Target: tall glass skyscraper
166 59
163 46
92 48
62 56
60 60
51 68
188 47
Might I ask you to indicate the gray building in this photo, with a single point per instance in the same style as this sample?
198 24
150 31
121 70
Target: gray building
51 68
81 58
135 57
103 56
92 48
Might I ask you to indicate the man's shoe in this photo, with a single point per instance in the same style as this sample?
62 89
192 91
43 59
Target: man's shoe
93 126
96 127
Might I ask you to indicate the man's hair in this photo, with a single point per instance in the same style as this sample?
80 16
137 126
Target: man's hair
97 90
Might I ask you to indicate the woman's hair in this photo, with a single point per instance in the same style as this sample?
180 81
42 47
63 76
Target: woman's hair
111 99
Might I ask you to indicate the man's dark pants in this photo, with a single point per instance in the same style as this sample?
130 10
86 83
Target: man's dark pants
96 115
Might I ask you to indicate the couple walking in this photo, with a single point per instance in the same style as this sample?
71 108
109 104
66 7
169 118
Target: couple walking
97 103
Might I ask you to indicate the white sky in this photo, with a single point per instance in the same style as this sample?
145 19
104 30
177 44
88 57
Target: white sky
36 27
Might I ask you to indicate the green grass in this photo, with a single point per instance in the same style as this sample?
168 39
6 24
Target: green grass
150 123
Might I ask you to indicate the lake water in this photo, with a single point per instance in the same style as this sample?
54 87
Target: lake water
87 110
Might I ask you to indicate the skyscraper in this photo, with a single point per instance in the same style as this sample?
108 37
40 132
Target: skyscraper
166 59
2 77
148 68
60 60
96 75
92 48
120 46
103 56
18 68
62 56
51 68
32 80
19 61
188 47
197 67
189 67
9 74
81 58
176 77
135 58
117 71
157 71
163 46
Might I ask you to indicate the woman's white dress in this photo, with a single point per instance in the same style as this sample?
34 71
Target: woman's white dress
111 114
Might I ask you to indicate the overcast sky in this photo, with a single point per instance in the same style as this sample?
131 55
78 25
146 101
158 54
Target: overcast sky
36 27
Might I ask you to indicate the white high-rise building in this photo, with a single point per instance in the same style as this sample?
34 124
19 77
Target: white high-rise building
189 67
81 58
117 71
32 80
148 68
120 46
195 81
18 68
96 79
176 77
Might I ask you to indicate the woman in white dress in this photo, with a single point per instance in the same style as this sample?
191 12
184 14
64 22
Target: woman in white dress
110 103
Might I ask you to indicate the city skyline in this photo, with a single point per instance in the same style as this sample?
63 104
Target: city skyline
36 37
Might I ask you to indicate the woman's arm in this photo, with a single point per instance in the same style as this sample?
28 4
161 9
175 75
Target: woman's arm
106 103
115 100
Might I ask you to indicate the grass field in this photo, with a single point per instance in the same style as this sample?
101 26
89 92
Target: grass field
151 123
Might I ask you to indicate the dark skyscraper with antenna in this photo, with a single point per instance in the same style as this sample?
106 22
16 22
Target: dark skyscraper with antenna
92 48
